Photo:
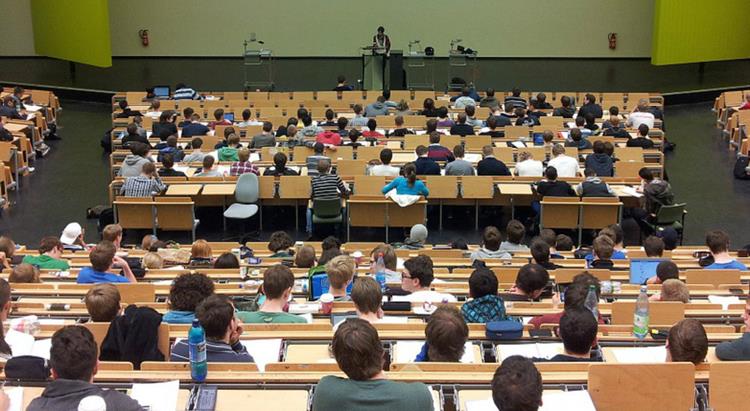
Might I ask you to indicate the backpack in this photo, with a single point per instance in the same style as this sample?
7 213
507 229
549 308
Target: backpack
106 141
740 168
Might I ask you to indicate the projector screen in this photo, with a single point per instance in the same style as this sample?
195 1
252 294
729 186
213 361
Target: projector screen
693 31
73 30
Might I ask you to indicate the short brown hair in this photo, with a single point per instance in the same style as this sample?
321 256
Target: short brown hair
674 290
277 279
517 385
111 232
515 231
201 249
717 241
688 342
340 271
357 349
215 314
73 353
654 246
420 268
305 257
243 154
7 246
446 334
390 259
279 240
103 302
491 238
101 256
48 244
366 295
24 273
604 247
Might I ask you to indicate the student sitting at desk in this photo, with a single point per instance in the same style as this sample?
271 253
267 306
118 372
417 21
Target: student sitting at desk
132 136
309 129
485 305
553 187
602 255
425 165
408 183
229 153
459 166
416 239
517 385
24 273
461 128
515 232
197 155
194 126
324 186
540 253
165 124
471 119
280 244
372 133
575 296
219 119
265 138
278 281
145 185
687 342
359 353
527 166
223 330
530 283
187 117
416 279
672 290
368 299
330 115
565 165
305 257
243 164
400 130
186 292
445 336
73 362
577 330
642 140
490 248
313 160
103 302
437 152
615 128
737 350
384 168
171 149
340 271
133 163
353 135
329 137
389 260
167 169
599 161
279 168
718 243
491 166
575 139
102 259
593 186
50 255
208 169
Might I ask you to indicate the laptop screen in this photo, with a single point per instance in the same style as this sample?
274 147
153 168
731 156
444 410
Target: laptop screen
161 91
229 117
319 285
641 269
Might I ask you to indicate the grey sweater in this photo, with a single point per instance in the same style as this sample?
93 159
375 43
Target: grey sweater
459 167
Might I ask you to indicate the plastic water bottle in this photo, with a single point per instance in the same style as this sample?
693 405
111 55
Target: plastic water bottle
380 271
592 302
641 316
197 347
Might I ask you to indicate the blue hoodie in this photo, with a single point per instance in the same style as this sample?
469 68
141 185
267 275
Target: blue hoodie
178 317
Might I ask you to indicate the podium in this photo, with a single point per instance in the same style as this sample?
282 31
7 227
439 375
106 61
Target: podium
461 65
258 68
373 67
420 71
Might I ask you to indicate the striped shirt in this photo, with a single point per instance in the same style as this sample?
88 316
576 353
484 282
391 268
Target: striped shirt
327 187
142 186
312 164
515 102
242 167
216 351
185 93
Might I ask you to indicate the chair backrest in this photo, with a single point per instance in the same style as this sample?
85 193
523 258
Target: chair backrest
327 208
369 153
722 383
294 187
477 187
599 212
247 190
661 313
175 213
136 293
442 186
560 212
134 212
714 277
628 168
670 213
642 387
369 185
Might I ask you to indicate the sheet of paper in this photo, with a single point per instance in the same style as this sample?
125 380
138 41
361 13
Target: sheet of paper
630 191
20 343
567 401
16 398
473 157
640 355
725 301
223 169
406 351
518 144
32 107
51 321
538 350
394 320
41 348
160 396
263 351
254 157
481 405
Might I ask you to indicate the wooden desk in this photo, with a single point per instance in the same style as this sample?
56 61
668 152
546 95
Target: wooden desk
184 189
218 189
371 211
609 355
308 353
15 128
512 190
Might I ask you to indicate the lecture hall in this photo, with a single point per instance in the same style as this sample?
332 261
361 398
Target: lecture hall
321 206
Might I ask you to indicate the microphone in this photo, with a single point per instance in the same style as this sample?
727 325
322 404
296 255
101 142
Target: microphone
261 42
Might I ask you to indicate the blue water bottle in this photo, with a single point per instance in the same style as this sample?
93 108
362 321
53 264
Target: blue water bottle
380 272
197 347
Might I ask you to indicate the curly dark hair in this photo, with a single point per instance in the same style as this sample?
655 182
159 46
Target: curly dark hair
279 241
189 290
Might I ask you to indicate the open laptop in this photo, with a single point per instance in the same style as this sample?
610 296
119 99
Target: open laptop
641 269
229 117
161 92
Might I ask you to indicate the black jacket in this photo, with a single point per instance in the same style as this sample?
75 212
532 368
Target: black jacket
170 172
490 166
594 109
157 128
642 142
502 121
135 137
427 166
566 112
64 395
462 130
134 337
601 163
555 189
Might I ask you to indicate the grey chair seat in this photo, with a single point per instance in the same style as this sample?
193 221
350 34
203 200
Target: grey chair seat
241 211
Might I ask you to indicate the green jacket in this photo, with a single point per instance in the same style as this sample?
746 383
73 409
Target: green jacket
227 154
260 317
336 393
46 262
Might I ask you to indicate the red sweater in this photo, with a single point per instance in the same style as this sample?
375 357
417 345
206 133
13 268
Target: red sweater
329 137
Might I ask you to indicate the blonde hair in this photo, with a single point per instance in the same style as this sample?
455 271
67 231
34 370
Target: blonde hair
153 261
674 290
201 249
524 155
340 271
243 154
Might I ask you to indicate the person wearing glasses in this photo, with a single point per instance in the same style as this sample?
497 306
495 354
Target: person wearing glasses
416 279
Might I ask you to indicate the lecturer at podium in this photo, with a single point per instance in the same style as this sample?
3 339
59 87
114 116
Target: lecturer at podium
381 43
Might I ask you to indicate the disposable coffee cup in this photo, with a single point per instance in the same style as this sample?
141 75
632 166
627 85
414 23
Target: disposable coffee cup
326 303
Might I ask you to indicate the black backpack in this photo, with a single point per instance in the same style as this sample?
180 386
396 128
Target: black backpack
740 167
106 141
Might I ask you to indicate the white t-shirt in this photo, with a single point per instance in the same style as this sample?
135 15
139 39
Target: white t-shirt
425 296
384 170
566 166
636 118
529 168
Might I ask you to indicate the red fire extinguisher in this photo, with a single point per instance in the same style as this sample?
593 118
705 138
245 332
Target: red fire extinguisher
143 34
612 41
